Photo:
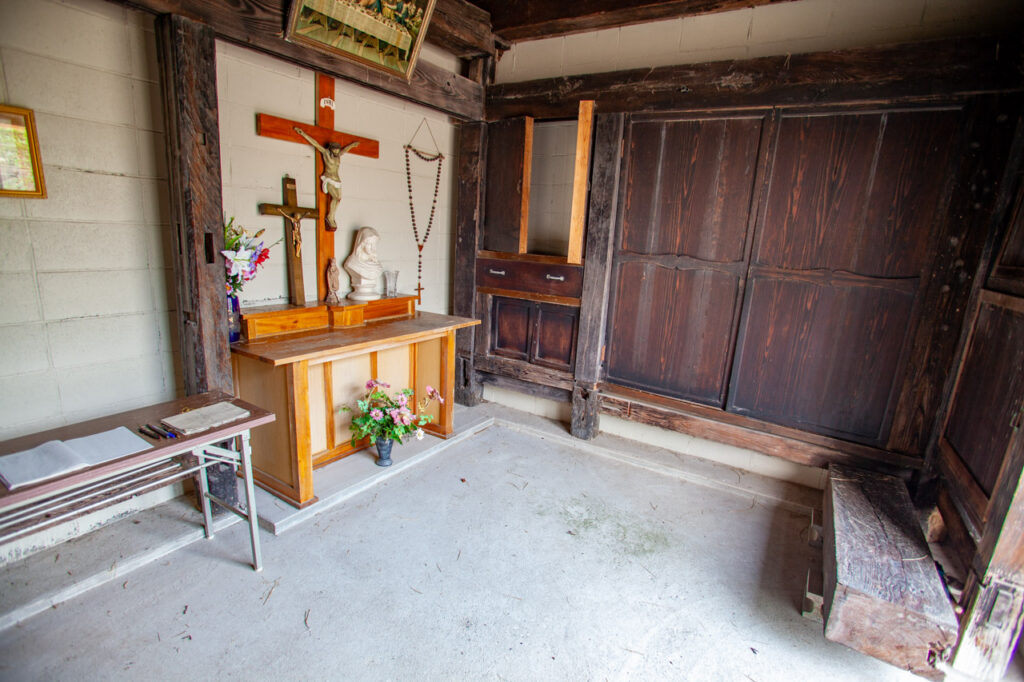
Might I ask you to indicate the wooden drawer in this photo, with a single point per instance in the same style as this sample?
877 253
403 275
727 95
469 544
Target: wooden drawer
550 279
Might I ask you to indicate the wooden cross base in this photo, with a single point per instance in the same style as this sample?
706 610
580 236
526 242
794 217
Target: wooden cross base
280 319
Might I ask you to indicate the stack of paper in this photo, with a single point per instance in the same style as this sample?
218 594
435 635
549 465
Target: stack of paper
205 418
56 458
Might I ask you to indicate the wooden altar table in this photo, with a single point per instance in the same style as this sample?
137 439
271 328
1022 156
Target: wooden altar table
310 375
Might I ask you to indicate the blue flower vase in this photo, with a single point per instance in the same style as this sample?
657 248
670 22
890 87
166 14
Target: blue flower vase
384 451
234 319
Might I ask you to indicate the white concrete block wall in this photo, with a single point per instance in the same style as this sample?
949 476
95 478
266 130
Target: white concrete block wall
374 191
86 308
776 29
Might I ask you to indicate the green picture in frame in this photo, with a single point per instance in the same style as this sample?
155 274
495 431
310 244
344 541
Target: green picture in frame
383 34
21 171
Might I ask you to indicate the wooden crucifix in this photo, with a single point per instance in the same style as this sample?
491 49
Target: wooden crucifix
293 215
323 133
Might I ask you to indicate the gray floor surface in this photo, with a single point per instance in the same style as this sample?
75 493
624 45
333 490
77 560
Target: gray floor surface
512 555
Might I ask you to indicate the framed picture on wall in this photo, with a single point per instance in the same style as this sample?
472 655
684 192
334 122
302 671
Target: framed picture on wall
21 171
383 34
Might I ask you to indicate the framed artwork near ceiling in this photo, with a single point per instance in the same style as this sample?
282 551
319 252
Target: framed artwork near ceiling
383 34
21 170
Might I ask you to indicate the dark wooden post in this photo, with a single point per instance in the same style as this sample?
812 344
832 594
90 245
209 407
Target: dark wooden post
187 54
604 189
468 216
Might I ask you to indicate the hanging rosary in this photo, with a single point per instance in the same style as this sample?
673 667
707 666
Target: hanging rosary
429 158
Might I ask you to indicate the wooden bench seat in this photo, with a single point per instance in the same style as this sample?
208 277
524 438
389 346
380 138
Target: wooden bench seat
883 594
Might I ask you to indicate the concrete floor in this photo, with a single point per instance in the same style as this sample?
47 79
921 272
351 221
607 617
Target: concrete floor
517 554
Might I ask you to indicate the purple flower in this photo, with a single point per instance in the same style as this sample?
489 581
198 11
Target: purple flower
395 415
402 399
376 415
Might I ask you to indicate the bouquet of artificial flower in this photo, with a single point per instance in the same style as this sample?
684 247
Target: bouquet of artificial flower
389 417
244 253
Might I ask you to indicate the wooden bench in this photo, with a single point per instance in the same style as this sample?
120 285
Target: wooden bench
883 594
34 507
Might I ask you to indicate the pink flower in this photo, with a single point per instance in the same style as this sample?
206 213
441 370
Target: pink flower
394 414
402 399
376 414
434 394
371 384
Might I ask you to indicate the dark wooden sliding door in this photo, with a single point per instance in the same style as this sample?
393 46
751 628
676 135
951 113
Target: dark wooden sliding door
775 266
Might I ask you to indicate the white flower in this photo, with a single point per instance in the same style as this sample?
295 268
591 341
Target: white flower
419 434
238 261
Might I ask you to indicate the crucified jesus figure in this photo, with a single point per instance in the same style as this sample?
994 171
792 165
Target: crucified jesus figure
330 181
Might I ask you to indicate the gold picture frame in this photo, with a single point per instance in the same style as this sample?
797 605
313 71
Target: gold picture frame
21 169
382 34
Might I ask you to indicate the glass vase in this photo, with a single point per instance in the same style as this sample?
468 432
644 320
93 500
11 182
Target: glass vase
234 319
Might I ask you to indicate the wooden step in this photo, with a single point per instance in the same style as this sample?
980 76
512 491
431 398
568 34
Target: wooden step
883 595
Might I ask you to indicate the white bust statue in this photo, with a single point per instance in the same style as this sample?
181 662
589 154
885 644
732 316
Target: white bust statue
363 267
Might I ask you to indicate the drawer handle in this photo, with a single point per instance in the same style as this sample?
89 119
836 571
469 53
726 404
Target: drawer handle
555 278
499 273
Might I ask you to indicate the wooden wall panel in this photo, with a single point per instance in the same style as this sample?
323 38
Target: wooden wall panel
852 210
820 354
858 192
506 206
671 329
554 342
511 319
679 267
989 394
690 187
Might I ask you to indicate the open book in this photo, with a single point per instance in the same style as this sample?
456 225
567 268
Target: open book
56 458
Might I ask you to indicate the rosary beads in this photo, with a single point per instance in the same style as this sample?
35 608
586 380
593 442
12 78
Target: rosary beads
429 158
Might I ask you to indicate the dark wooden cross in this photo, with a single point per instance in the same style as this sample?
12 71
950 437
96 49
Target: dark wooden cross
323 132
293 215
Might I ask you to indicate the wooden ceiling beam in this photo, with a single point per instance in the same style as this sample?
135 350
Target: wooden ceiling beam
915 70
260 24
463 29
516 20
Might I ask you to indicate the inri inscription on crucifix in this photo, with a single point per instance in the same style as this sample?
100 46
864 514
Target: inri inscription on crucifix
293 215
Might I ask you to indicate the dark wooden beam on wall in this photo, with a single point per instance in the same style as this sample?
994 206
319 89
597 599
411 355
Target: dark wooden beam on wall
462 29
783 442
916 70
518 20
187 54
472 142
961 242
260 25
604 188
189 84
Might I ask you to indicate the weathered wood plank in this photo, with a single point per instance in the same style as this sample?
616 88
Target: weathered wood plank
472 140
189 87
462 28
259 25
524 371
786 443
604 190
917 70
507 182
527 386
960 241
517 20
883 595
